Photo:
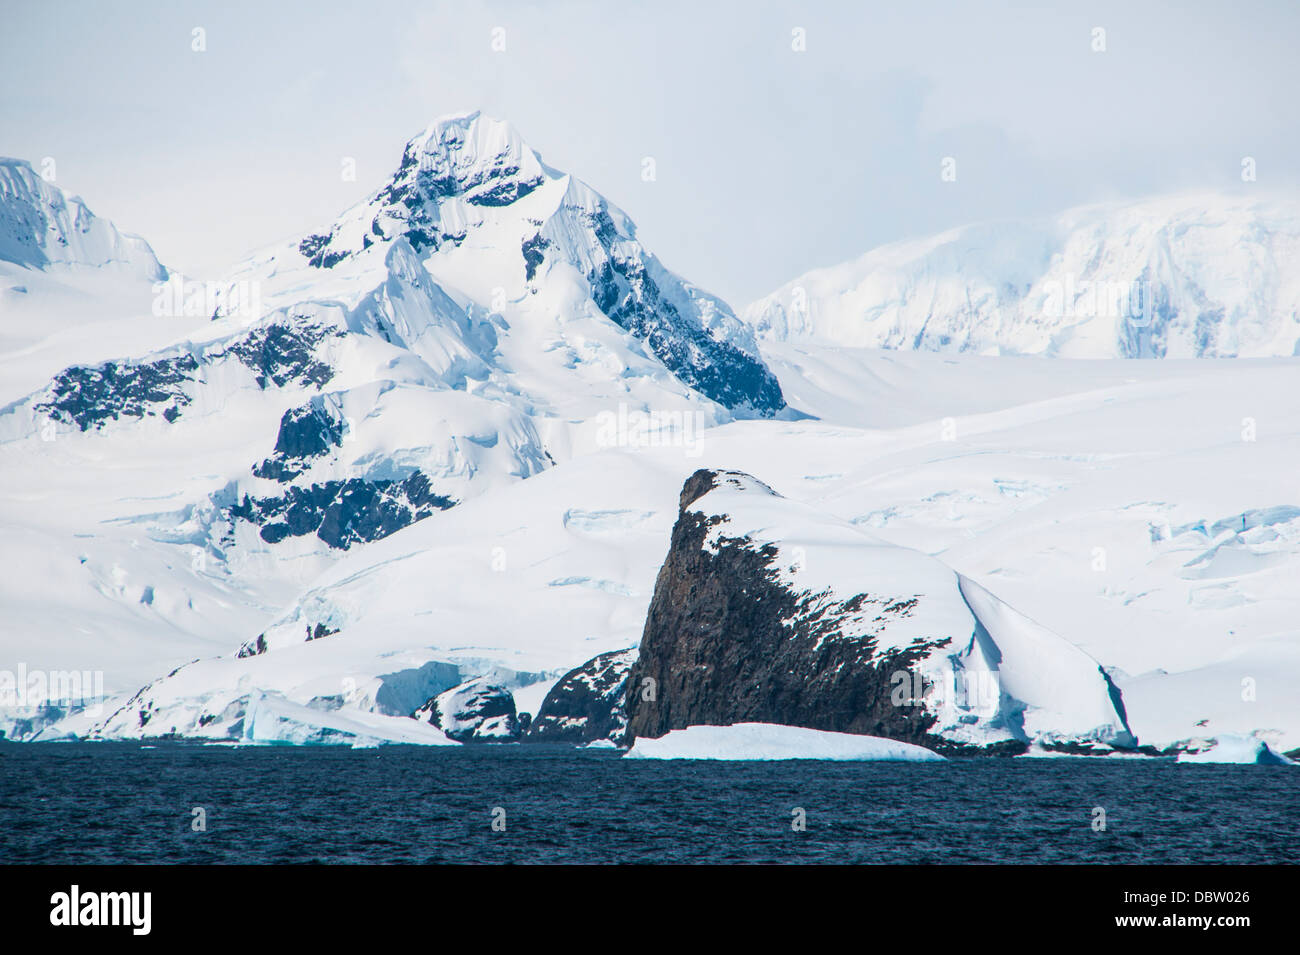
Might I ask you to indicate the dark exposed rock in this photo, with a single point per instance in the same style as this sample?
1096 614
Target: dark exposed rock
726 641
587 703
306 432
90 396
498 186
253 648
342 513
320 630
479 711
314 249
625 291
534 252
284 352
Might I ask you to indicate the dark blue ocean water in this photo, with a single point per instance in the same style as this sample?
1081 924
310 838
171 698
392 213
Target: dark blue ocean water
117 802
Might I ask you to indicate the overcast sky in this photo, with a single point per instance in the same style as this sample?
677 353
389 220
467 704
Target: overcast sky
769 161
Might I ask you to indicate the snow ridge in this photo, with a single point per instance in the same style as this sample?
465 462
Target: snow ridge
1194 276
41 226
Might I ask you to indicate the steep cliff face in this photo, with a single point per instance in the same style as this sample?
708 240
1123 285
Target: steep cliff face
767 611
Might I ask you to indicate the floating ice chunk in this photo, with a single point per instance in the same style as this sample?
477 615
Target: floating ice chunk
770 741
1237 749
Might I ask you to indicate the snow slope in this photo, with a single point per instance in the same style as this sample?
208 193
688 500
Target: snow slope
519 585
1178 277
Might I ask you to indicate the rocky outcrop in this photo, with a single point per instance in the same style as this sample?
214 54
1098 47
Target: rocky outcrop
586 705
283 353
342 513
824 627
726 641
306 432
286 352
626 286
479 711
92 396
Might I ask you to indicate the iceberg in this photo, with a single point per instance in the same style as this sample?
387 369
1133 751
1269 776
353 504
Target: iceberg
754 741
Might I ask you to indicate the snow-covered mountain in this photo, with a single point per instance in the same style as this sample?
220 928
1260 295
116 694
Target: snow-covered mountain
1195 276
41 226
506 235
372 393
492 318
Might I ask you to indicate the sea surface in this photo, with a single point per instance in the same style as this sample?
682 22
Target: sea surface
79 803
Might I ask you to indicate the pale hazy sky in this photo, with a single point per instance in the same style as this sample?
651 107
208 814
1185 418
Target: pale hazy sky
769 161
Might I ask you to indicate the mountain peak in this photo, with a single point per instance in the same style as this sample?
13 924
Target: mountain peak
450 127
515 237
481 159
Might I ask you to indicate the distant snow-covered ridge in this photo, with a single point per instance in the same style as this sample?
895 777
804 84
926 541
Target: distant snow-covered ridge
1204 276
42 225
